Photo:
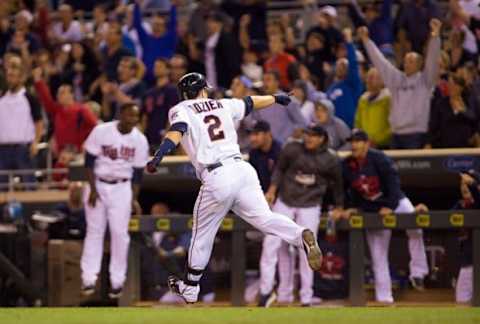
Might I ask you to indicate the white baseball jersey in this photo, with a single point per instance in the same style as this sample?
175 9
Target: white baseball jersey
117 154
211 136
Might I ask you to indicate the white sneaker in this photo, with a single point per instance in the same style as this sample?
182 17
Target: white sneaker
187 292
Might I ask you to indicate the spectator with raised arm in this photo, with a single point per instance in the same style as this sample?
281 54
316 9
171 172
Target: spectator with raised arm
72 120
378 22
411 90
347 86
161 42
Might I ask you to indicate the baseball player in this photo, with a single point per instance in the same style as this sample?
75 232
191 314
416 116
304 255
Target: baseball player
205 128
116 154
373 185
301 177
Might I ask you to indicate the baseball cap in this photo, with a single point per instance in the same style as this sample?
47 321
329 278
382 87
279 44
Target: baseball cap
316 130
358 135
260 126
329 10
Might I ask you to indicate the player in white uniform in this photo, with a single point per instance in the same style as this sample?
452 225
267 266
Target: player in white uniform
116 154
205 128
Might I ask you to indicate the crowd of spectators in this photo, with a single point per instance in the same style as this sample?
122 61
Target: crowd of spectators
401 77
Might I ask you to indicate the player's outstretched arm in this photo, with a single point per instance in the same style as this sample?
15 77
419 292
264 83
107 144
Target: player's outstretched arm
169 143
260 102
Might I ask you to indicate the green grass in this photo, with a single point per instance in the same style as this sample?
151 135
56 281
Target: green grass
212 315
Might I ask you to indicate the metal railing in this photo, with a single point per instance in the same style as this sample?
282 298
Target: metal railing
355 226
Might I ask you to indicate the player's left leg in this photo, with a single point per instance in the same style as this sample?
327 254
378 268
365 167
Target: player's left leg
213 202
92 252
119 210
308 218
416 247
286 273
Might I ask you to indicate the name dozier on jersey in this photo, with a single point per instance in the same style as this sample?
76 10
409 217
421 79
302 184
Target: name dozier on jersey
206 106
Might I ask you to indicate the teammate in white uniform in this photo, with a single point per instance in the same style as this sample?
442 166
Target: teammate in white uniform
116 154
205 128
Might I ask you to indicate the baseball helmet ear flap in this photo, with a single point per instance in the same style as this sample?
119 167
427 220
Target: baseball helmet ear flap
190 85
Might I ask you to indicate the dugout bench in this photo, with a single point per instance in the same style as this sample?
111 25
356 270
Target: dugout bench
355 226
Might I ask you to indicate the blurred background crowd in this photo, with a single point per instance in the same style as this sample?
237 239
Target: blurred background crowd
80 60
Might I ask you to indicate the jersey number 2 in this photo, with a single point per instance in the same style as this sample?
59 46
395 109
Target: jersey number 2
214 127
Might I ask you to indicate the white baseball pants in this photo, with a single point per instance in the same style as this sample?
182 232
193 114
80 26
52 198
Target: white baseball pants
464 287
378 243
233 186
113 208
274 249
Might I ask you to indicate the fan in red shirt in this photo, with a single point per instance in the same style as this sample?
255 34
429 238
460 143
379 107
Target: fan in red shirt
279 60
72 120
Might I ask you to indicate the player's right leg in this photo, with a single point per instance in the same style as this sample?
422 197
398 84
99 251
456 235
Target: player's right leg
269 258
416 246
286 274
250 204
464 286
308 217
378 243
118 214
92 253
208 214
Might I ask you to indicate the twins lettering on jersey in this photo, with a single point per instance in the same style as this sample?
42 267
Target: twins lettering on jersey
125 153
206 106
368 187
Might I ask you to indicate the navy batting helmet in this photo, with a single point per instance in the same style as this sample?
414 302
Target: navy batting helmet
191 84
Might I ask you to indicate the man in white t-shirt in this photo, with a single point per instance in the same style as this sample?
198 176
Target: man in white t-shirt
206 130
116 154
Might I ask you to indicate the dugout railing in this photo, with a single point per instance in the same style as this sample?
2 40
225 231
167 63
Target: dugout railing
355 225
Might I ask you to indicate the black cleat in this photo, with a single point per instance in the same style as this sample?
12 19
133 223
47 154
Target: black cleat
187 292
115 293
267 300
173 285
417 283
87 290
314 254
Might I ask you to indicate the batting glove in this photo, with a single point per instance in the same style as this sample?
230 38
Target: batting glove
283 100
